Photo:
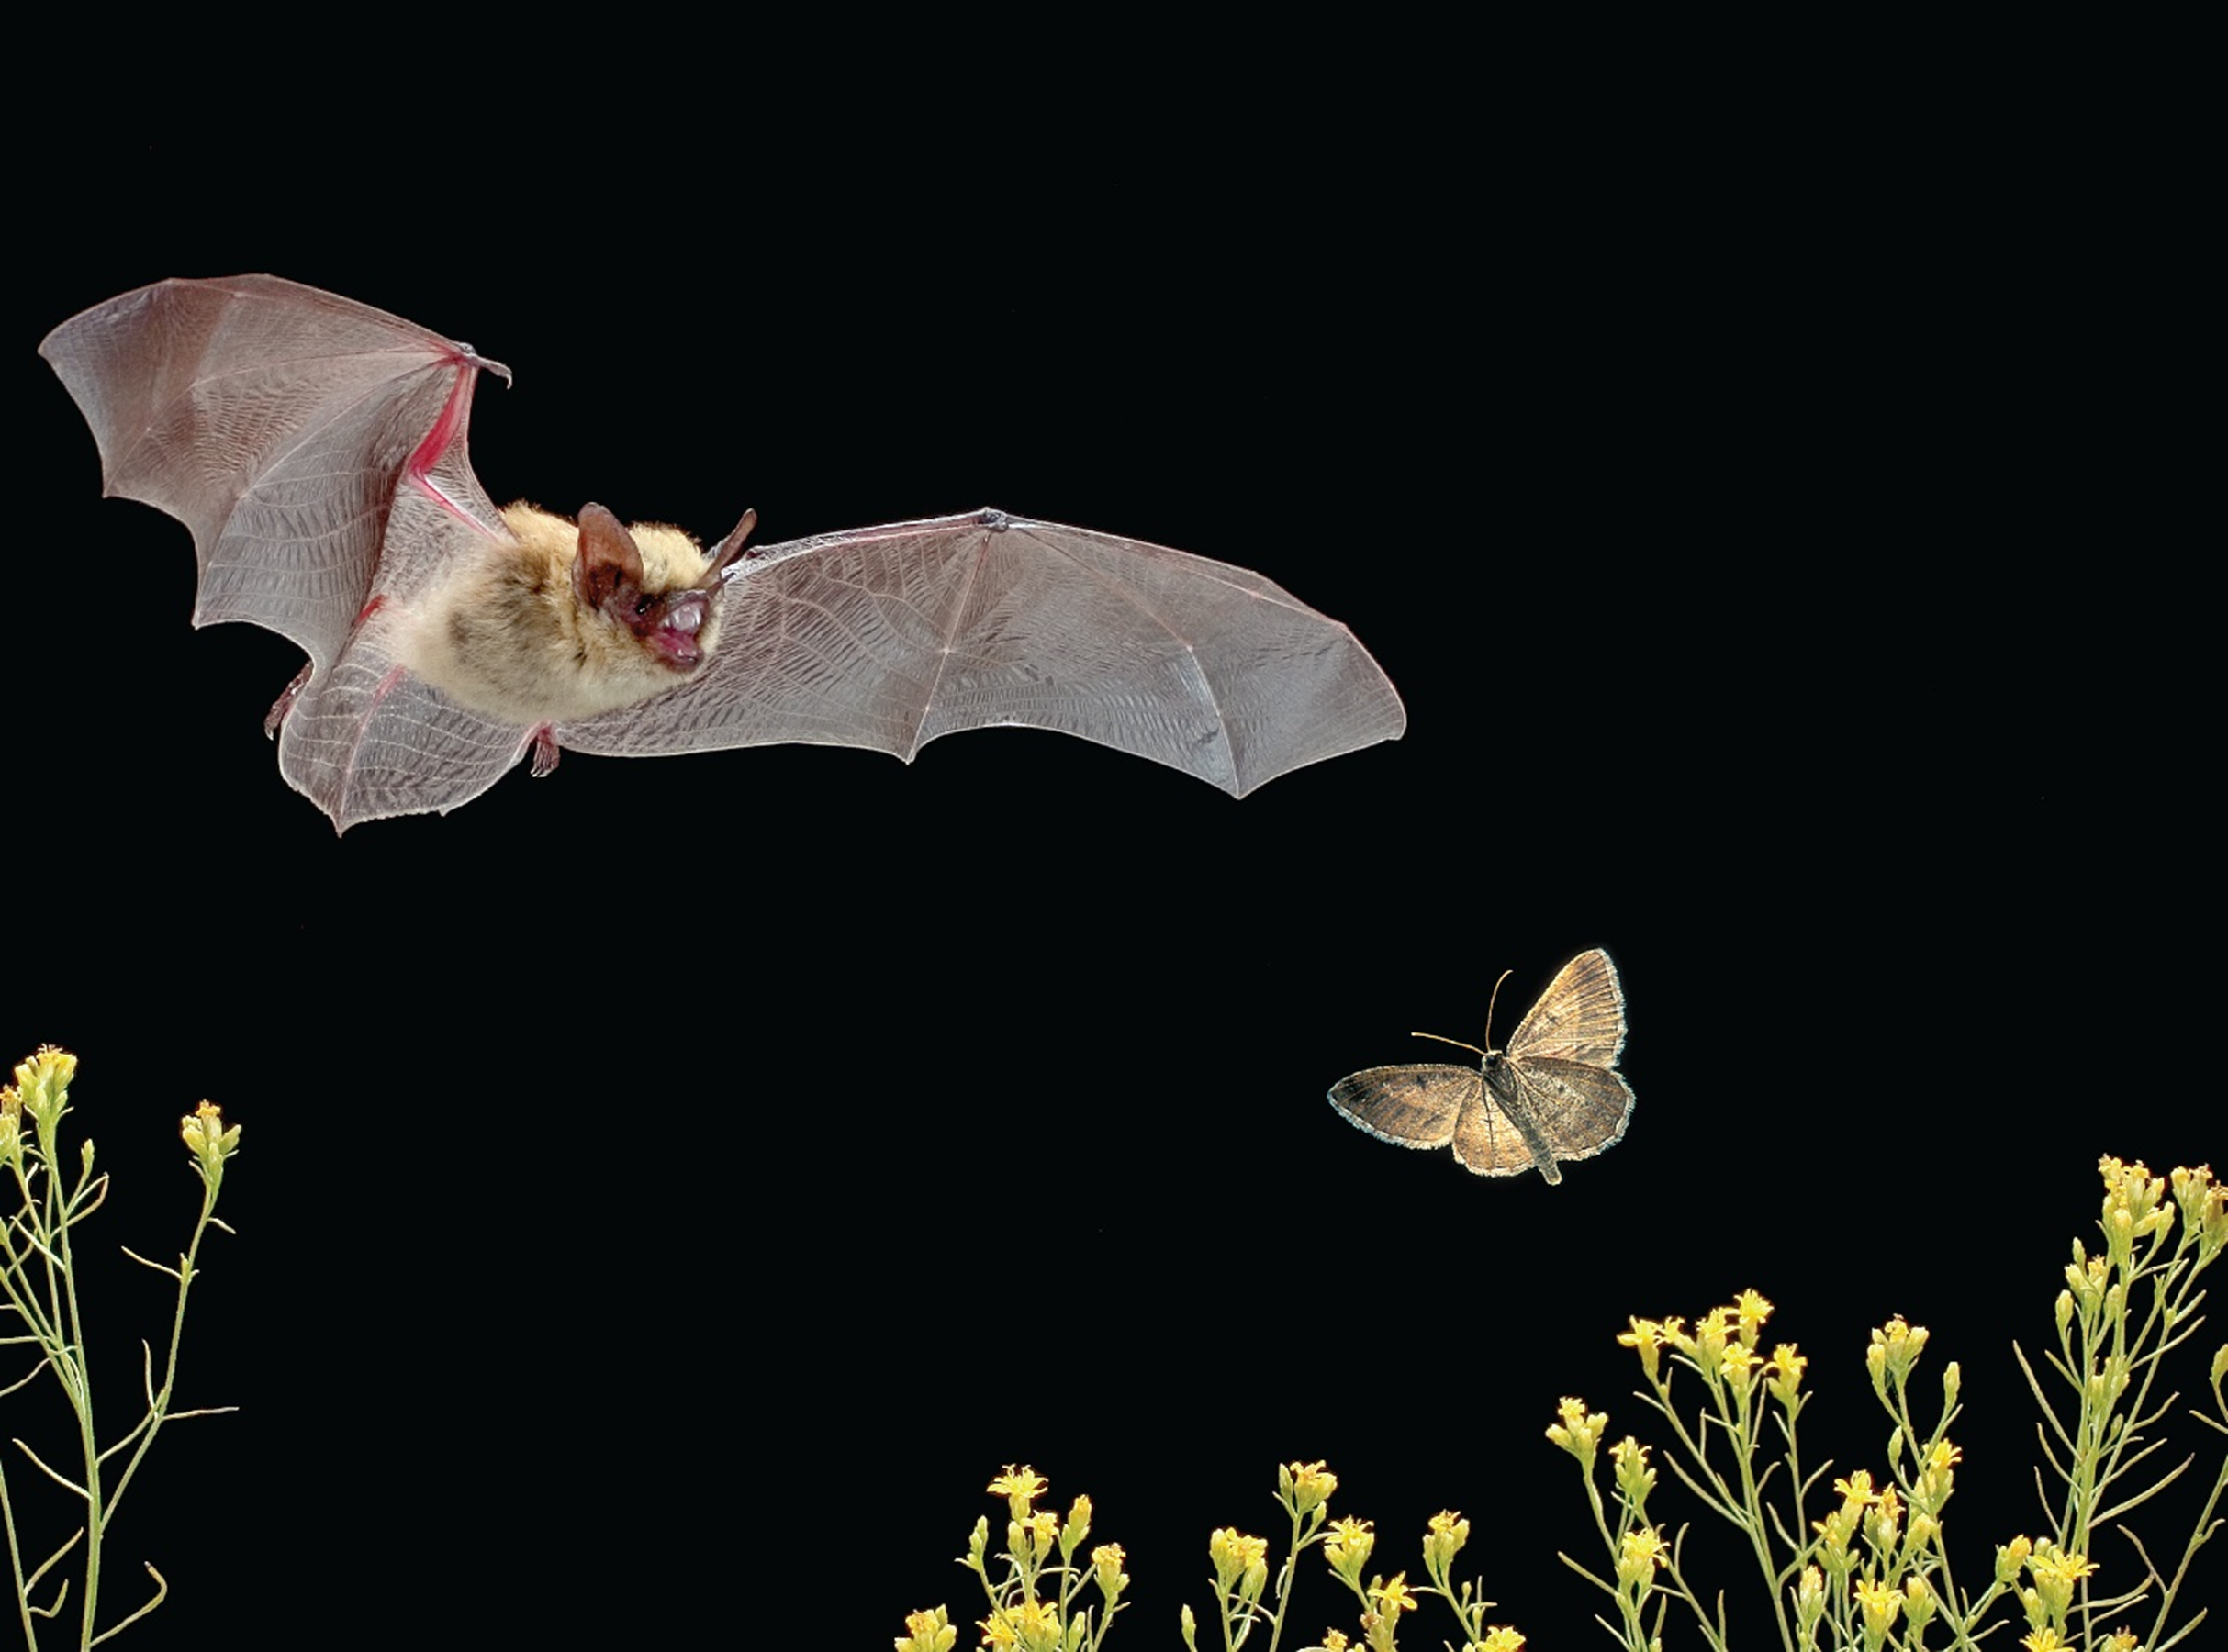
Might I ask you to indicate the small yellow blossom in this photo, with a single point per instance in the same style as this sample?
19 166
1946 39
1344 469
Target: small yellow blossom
1785 1373
1236 1555
1919 1605
2055 1573
1392 1597
1738 1365
1106 1570
1503 1639
1884 1523
1810 1601
1579 1431
1640 1553
1031 1626
1348 1547
42 1083
1635 1478
1443 1537
1880 1604
2042 1640
928 1632
1333 1640
1709 1340
2010 1558
2204 1209
1647 1337
1020 1487
1895 1349
1751 1310
207 1138
1303 1486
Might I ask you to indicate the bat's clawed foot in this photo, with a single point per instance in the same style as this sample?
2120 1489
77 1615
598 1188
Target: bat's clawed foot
544 752
284 703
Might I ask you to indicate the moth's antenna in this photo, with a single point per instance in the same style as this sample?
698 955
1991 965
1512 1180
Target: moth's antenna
1492 1001
1457 1043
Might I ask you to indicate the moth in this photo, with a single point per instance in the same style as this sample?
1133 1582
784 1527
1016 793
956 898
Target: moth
316 447
1555 1093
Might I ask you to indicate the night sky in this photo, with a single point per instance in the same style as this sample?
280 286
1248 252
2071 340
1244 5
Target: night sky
677 1187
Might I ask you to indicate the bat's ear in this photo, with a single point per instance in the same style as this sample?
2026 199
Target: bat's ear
608 562
728 549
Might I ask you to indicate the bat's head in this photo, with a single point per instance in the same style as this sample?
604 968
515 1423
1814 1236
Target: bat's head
655 584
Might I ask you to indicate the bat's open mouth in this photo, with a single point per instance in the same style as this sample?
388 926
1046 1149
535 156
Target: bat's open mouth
672 635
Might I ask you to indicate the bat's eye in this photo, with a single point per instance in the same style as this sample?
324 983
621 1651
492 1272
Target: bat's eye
643 605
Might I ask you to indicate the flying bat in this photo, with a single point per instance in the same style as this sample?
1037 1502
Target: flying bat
316 447
1555 1093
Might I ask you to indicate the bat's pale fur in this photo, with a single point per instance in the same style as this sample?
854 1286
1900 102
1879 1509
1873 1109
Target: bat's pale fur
507 636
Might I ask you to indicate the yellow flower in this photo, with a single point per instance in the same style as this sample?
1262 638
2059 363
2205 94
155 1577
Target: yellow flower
2042 1640
1895 1349
1106 1570
1880 1604
1638 1555
928 1632
1077 1526
1503 1639
2010 1558
1647 1337
1305 1485
1579 1431
1446 1534
1393 1596
1709 1347
1751 1310
1032 1626
1348 1547
2057 1563
1786 1373
1020 1487
207 1139
1234 1554
1809 1600
2055 1573
1333 1640
1634 1477
1739 1363
1856 1490
42 1082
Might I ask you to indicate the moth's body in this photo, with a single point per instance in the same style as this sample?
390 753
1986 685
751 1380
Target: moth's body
512 635
1554 1093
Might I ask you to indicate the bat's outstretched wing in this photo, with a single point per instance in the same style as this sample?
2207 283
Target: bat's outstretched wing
316 448
890 637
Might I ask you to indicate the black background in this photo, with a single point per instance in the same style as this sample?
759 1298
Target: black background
673 1190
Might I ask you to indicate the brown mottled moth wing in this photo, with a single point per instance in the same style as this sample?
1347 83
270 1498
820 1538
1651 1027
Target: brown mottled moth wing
1564 1110
1580 1017
1418 1106
1498 1136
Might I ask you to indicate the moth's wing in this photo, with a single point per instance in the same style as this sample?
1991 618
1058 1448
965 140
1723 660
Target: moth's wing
890 637
1565 1109
1580 1017
316 448
1416 1105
